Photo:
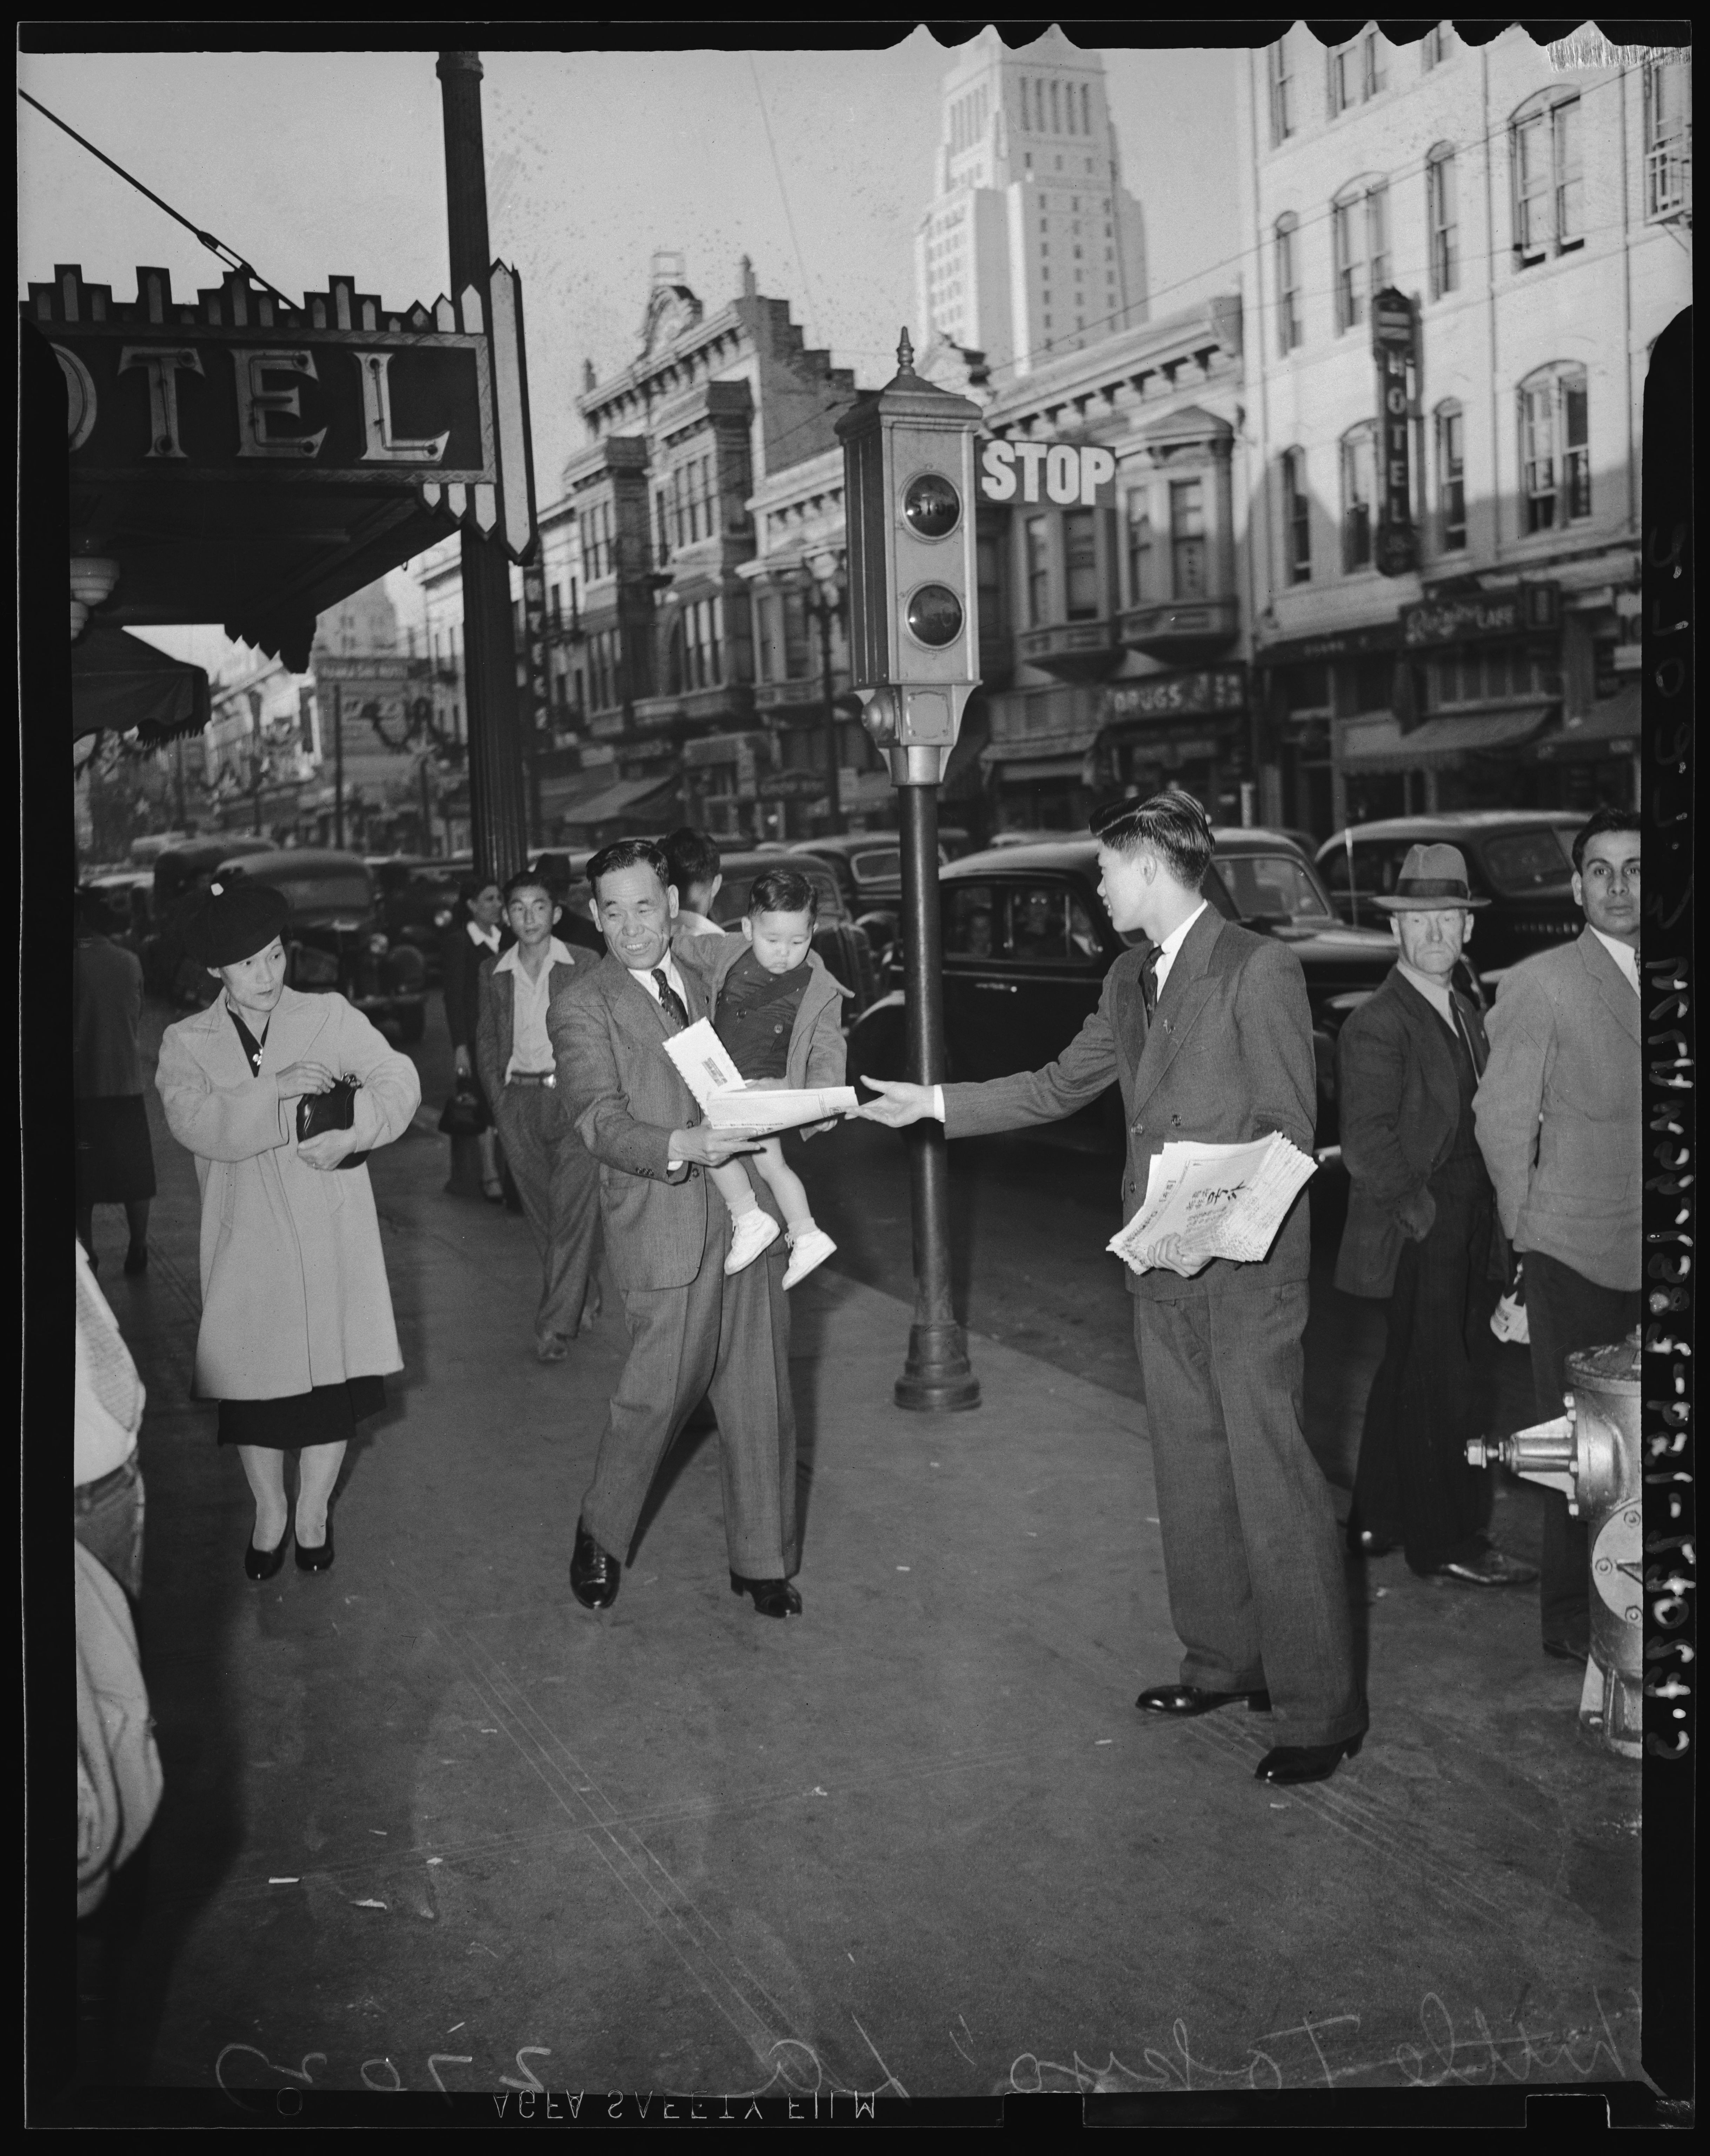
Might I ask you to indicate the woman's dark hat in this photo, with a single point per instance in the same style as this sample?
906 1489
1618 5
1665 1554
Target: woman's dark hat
237 919
1432 879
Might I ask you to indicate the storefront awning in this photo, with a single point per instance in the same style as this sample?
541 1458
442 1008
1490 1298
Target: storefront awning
1048 757
1609 728
628 798
119 685
1377 744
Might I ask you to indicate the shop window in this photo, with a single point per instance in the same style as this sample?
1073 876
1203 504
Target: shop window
1451 477
1555 452
1668 136
1502 674
1142 585
1442 221
1288 283
1187 538
1281 82
1365 685
1296 517
1039 571
1543 140
1359 492
1360 229
1081 565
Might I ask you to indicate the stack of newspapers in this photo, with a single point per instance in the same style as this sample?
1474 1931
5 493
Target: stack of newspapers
730 1103
1223 1201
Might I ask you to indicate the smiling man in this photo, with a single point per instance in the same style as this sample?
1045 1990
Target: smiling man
692 1330
1208 1035
1558 1120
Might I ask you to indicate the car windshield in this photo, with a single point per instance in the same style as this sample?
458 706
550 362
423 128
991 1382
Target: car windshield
1272 886
732 901
1525 861
341 893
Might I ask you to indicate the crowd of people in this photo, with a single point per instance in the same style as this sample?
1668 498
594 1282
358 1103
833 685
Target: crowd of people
1482 1147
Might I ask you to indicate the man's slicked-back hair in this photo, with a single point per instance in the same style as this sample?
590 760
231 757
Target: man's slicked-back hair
528 879
1604 819
1172 824
627 853
694 859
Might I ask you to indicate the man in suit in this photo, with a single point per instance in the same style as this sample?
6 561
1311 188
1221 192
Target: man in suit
1210 1036
1419 1235
549 1165
1558 1120
692 1330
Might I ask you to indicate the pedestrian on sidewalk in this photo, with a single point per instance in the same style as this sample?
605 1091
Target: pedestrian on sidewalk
697 877
114 1159
1559 1116
692 1332
555 1176
1208 1035
469 941
1421 1238
776 1009
297 1336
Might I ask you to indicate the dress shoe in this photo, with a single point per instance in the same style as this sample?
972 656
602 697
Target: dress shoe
1490 1567
1362 1542
1568 1651
772 1597
136 1258
263 1564
593 1573
1305 1763
320 1558
1184 1700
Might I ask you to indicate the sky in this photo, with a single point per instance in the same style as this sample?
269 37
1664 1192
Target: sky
818 165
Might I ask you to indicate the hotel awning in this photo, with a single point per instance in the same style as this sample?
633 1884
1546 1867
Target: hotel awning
1609 728
1377 744
119 685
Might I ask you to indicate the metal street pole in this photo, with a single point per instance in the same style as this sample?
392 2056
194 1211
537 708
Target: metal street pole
834 798
496 802
338 766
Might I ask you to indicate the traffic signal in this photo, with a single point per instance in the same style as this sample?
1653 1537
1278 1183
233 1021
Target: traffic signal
909 499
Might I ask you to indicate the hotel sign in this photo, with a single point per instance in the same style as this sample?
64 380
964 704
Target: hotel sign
1396 549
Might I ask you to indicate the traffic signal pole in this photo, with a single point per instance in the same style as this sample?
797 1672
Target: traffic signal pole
498 822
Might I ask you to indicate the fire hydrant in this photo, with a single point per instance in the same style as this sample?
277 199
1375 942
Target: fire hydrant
1591 1454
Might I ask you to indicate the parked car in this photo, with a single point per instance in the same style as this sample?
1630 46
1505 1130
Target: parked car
336 939
1028 942
417 901
868 865
842 946
1521 860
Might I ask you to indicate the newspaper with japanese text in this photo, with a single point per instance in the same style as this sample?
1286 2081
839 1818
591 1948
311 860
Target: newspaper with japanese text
1223 1201
730 1103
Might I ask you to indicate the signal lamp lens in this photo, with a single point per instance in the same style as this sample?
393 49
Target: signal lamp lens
934 615
931 506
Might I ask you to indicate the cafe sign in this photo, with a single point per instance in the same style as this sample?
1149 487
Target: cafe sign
1395 551
1479 616
1207 690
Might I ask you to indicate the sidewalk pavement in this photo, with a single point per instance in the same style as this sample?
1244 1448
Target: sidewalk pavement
427 1821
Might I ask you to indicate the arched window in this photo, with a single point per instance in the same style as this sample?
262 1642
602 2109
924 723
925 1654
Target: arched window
1442 220
1359 495
1543 147
1296 517
1449 429
1289 333
1359 234
1555 448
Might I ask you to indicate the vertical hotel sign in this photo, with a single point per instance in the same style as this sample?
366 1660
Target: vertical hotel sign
1393 346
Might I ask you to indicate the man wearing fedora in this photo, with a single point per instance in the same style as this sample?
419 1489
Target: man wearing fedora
1560 1124
1420 1237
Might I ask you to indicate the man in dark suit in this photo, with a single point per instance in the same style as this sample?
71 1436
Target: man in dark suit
1418 1237
555 1178
1560 1121
693 1331
1210 1036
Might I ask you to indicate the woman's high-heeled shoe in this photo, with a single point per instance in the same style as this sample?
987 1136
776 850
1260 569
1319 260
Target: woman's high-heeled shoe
319 1559
263 1564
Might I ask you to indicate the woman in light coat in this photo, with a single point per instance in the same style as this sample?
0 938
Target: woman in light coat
297 1333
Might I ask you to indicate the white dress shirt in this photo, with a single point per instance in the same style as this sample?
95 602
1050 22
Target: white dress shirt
1435 993
530 1044
1624 956
643 976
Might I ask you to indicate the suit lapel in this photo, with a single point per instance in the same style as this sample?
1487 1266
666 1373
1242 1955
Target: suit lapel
1186 993
1431 1040
1612 984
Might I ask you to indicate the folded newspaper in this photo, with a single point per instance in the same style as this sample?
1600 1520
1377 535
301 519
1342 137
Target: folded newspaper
730 1103
1223 1201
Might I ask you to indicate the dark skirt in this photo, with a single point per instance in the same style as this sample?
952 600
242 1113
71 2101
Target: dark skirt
328 1416
114 1159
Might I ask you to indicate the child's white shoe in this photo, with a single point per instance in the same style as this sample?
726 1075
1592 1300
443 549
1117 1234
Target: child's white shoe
806 1252
753 1232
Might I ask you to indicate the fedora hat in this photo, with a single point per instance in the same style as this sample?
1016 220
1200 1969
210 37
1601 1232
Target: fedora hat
1432 879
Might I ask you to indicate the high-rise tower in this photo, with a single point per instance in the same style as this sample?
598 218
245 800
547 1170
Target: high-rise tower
1032 246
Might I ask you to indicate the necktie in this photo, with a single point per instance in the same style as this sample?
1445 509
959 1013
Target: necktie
1465 1033
1148 978
669 999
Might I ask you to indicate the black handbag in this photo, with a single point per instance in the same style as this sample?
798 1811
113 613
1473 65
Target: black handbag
465 1115
334 1110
